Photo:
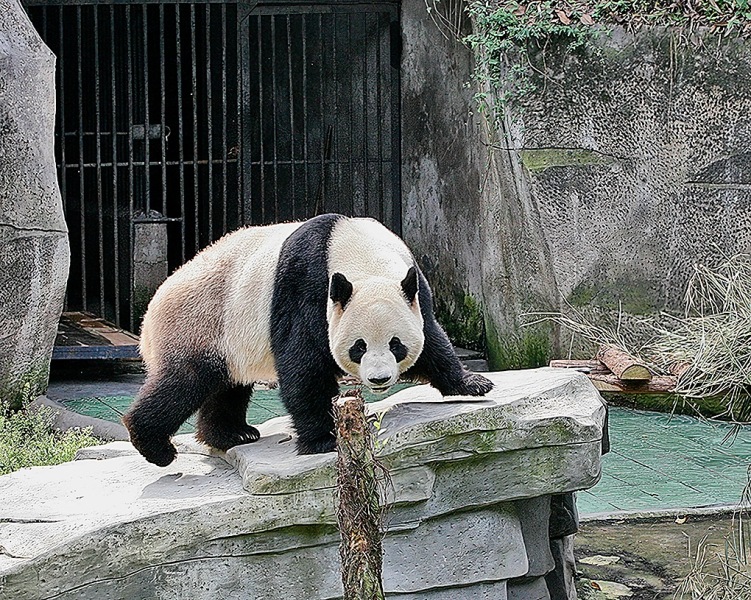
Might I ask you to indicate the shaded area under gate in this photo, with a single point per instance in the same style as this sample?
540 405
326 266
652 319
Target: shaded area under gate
180 121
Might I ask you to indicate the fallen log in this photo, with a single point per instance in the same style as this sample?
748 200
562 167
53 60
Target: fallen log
623 365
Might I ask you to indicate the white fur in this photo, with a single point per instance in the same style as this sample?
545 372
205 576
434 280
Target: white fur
246 339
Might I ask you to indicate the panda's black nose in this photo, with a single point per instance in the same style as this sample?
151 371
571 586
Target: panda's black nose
378 380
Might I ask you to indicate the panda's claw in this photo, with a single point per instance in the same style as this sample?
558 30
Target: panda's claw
471 384
477 385
226 439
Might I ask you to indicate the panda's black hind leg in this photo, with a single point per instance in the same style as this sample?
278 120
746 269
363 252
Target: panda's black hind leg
169 396
221 419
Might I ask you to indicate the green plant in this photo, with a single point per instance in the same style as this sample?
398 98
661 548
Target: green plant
28 438
506 31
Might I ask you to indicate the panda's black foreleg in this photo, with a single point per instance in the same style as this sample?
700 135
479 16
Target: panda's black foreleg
221 419
169 396
307 397
438 363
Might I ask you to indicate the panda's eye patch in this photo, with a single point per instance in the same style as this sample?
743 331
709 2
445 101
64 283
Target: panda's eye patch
398 349
357 351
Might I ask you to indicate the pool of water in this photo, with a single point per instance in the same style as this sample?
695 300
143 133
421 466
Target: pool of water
264 405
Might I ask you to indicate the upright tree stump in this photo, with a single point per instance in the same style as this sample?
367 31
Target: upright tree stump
358 510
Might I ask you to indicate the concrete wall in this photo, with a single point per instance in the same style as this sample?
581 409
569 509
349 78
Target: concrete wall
628 163
33 235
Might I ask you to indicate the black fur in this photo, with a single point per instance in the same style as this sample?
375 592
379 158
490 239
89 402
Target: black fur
398 349
409 285
299 334
340 290
168 398
357 351
438 364
222 419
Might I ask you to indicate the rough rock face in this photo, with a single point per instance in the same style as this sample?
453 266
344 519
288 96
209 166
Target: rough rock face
628 163
33 235
468 518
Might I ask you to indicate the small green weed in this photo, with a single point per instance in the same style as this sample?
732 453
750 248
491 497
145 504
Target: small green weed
28 438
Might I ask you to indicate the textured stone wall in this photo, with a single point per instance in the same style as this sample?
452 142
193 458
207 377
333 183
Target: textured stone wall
626 165
474 506
636 153
33 235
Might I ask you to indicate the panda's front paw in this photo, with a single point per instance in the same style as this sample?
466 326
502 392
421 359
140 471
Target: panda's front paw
472 384
316 446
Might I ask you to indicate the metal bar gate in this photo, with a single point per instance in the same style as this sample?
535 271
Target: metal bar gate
178 121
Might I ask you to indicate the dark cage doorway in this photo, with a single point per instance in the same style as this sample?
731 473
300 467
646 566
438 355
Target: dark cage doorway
179 121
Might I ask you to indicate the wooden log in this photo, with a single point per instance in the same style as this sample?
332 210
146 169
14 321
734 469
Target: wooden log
623 365
591 366
358 510
660 384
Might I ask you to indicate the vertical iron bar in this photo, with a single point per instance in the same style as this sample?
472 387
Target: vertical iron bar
262 163
209 123
306 204
365 156
379 120
115 197
224 118
351 119
97 114
396 134
335 113
291 116
163 107
146 115
84 295
194 89
131 179
180 128
324 128
244 139
275 111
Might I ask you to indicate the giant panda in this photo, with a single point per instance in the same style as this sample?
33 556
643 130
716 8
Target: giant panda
298 303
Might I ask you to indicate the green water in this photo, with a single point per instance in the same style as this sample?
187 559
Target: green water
264 405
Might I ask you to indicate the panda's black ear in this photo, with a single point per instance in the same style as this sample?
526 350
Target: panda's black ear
340 290
409 285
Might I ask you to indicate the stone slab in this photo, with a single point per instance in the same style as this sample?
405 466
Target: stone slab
260 521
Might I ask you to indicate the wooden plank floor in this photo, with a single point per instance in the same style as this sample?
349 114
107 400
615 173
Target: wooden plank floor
83 336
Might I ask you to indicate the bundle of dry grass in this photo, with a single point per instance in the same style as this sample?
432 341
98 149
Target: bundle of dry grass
709 348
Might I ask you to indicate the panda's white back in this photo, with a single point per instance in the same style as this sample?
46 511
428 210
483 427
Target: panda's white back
220 300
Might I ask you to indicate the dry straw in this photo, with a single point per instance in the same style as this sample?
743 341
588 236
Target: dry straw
708 347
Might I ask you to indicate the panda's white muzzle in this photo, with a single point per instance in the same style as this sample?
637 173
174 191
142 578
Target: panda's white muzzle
379 370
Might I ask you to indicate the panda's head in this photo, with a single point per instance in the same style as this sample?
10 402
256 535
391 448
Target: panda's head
375 327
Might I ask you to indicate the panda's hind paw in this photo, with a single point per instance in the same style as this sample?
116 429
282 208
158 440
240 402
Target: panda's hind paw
159 454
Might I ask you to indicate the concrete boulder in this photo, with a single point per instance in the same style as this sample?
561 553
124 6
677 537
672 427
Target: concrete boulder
468 508
33 235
